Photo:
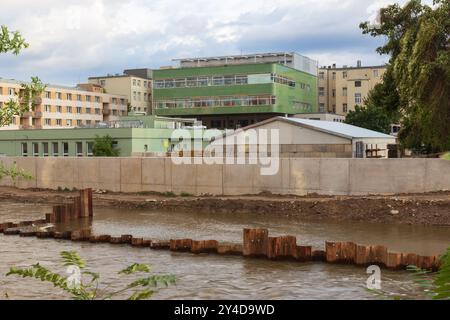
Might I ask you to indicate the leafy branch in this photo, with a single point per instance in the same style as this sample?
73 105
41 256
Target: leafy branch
88 286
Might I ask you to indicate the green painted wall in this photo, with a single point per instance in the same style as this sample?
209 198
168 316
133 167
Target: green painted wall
128 140
285 95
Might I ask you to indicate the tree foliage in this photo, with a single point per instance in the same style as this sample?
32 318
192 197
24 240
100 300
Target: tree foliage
371 118
11 41
418 41
25 100
88 287
104 147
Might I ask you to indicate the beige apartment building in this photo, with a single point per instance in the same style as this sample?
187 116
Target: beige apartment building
65 107
341 89
136 85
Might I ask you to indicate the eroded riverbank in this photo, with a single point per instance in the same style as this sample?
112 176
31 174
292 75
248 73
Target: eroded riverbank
409 209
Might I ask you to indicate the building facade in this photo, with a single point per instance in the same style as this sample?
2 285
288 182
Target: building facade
232 92
65 107
135 84
131 135
341 89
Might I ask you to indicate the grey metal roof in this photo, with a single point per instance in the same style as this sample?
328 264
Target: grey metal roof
338 128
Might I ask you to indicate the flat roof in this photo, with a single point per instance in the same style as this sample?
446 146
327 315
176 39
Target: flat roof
352 68
252 55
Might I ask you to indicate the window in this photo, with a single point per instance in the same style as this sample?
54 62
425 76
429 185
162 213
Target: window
321 91
79 123
79 149
88 110
69 109
78 110
102 82
78 97
47 94
145 83
58 109
11 91
90 149
65 147
45 148
47 122
139 83
344 74
55 149
35 149
58 122
375 73
358 98
88 122
344 108
69 122
134 82
357 84
47 108
97 111
334 75
59 95
69 96
344 91
321 107
134 95
24 149
334 108
97 99
88 98
321 75
333 92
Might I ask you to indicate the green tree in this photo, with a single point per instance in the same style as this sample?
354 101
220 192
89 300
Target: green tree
104 147
11 41
25 100
87 286
369 117
418 43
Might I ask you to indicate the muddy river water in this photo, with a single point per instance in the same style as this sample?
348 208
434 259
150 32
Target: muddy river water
213 276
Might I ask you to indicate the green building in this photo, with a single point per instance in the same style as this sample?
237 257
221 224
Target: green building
131 135
236 91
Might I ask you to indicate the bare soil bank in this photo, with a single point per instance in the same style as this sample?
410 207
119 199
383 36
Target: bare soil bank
420 209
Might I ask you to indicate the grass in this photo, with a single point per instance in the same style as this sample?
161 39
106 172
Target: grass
446 156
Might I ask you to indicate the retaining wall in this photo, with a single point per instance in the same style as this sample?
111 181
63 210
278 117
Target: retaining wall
295 176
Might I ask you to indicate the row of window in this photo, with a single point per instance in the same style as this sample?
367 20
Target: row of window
344 107
78 110
137 96
375 73
145 84
217 102
57 149
230 80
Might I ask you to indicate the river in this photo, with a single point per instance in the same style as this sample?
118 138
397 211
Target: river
212 276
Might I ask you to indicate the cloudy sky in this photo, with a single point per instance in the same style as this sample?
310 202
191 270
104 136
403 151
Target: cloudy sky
73 39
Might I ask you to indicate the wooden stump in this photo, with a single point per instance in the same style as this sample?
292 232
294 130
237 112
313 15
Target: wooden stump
229 249
5 226
86 203
331 250
255 242
362 255
204 246
30 233
126 238
104 238
146 242
137 242
180 245
378 255
394 260
284 247
160 245
304 253
43 234
81 235
115 240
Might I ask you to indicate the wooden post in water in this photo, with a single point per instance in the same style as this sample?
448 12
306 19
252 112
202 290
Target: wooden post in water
86 203
181 245
204 246
284 247
255 242
304 253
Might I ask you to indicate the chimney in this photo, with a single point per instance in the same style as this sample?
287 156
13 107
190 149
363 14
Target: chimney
334 65
358 63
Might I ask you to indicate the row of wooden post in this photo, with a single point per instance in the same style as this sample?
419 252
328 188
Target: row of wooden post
256 243
81 207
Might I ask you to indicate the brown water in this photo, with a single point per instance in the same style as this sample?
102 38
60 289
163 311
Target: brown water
213 276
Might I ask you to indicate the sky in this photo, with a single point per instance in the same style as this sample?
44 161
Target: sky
72 40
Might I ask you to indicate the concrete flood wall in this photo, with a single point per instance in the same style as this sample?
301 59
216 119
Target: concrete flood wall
295 176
